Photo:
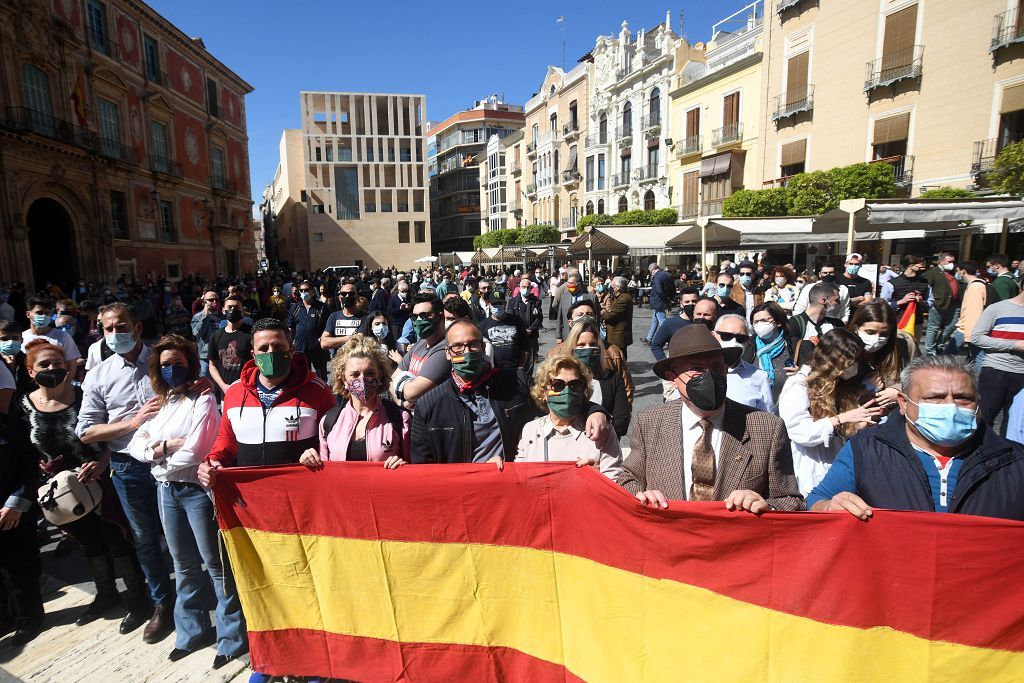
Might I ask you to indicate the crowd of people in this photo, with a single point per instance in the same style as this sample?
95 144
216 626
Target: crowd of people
779 392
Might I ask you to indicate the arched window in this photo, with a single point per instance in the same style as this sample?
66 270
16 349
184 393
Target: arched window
627 118
602 128
590 208
623 204
649 200
600 206
654 108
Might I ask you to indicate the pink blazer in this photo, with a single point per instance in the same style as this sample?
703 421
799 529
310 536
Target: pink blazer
380 436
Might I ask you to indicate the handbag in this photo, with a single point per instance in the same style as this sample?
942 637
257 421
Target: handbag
64 498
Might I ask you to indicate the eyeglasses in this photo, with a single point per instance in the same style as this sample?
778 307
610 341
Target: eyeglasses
559 385
746 273
729 336
459 349
423 316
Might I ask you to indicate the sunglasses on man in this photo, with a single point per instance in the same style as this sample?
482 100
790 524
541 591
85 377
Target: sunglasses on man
729 336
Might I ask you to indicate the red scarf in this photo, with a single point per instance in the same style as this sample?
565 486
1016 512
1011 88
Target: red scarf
464 385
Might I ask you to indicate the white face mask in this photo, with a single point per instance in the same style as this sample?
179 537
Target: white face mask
850 371
764 329
872 342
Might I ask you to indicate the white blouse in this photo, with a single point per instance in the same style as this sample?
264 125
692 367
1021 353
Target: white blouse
814 442
182 417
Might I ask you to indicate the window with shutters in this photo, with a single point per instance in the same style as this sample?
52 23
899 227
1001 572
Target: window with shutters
110 127
1011 116
151 49
119 215
99 38
793 158
35 87
627 119
890 136
219 179
796 78
212 104
901 58
691 198
731 129
168 231
158 147
692 143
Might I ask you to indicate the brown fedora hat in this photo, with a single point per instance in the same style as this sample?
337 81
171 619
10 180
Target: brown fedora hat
692 340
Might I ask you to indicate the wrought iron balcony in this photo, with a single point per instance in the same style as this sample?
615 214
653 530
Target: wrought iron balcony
725 135
624 132
690 146
517 167
115 149
595 139
101 42
646 173
571 129
651 122
783 5
902 167
984 159
531 189
531 149
711 207
776 183
620 179
571 177
25 120
894 67
222 184
793 102
1007 29
159 164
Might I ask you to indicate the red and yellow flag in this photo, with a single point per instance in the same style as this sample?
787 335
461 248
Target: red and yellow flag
547 572
908 319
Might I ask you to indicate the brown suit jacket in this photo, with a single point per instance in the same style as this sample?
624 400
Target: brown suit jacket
618 320
754 455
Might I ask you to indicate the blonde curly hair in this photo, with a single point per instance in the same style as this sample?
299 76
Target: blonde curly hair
359 346
549 368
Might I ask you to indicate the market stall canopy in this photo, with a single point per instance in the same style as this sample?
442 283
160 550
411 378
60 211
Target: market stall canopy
425 259
640 240
464 256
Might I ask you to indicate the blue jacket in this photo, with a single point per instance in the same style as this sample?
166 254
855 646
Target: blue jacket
887 473
663 289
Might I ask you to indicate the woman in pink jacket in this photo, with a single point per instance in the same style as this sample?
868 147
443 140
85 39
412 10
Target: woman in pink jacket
365 427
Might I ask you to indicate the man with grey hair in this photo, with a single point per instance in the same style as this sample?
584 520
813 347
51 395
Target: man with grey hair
936 438
573 291
748 384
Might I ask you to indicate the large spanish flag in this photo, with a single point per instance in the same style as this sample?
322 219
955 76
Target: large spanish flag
907 321
546 572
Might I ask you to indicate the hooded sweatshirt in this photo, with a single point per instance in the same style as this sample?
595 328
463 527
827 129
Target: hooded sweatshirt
251 435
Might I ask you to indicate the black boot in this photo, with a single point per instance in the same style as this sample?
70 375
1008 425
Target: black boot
140 607
102 569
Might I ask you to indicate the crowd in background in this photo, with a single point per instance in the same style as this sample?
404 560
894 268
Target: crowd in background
781 390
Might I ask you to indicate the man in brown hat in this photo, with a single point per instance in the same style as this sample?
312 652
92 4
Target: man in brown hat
703 446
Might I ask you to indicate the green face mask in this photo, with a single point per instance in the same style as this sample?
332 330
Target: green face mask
566 404
272 364
423 328
469 364
587 355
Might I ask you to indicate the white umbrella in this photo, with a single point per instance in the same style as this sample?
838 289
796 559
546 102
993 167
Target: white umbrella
426 259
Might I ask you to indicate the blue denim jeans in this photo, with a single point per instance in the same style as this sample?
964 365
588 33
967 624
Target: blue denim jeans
136 488
941 326
191 529
656 321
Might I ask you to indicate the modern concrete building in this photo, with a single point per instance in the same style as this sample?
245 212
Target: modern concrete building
629 122
455 201
716 114
351 184
933 87
123 147
556 126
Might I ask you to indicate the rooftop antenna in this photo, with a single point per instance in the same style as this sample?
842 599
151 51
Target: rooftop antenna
561 26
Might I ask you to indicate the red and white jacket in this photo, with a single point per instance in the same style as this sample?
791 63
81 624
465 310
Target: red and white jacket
251 435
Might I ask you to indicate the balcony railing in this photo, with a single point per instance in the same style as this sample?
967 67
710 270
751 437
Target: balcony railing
624 132
894 67
159 164
25 120
595 139
570 177
571 129
732 132
620 179
902 166
711 207
531 149
531 189
517 167
650 122
646 173
777 183
624 71
984 159
1008 29
689 210
793 102
114 149
691 145
221 183
101 42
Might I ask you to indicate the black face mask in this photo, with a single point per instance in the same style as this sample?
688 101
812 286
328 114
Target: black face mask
348 300
52 378
707 390
705 322
688 310
234 315
828 278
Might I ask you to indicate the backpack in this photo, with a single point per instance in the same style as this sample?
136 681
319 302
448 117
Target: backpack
64 499
803 350
394 413
991 295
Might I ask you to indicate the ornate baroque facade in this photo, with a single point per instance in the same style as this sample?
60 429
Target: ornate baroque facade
123 147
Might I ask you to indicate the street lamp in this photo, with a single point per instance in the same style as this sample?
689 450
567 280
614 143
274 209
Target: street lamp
590 257
551 258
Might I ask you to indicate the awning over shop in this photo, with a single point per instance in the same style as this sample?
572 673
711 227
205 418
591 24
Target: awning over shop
715 165
640 240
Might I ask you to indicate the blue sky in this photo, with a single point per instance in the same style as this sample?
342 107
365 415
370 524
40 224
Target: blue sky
453 52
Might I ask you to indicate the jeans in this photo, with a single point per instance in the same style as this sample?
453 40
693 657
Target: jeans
136 488
656 321
204 367
191 529
1000 388
941 326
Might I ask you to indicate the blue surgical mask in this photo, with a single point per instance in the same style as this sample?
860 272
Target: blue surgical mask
41 320
993 271
380 330
853 269
723 291
945 424
10 347
745 280
120 342
600 289
174 375
498 311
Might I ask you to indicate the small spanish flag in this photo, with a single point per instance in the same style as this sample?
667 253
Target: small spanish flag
907 320
550 572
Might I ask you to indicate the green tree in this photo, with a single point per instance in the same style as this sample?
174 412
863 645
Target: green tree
770 202
498 238
648 217
947 192
539 234
1007 174
594 219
